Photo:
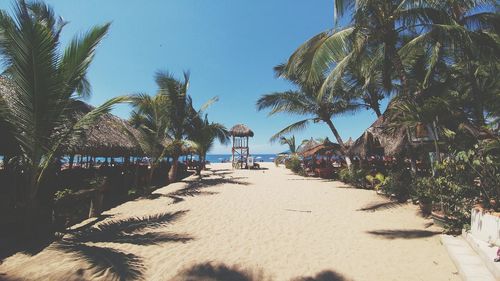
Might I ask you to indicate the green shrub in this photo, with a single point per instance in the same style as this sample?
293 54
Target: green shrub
355 177
376 181
462 180
425 189
62 194
302 172
294 164
399 184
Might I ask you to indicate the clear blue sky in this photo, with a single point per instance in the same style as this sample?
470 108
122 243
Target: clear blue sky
229 46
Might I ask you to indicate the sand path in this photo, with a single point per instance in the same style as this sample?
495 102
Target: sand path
249 226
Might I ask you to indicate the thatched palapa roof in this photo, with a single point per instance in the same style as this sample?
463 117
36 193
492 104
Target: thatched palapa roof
241 130
310 144
7 142
378 137
321 148
107 138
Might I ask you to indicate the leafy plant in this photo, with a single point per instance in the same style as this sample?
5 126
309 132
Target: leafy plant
294 164
376 181
398 183
62 194
425 189
355 177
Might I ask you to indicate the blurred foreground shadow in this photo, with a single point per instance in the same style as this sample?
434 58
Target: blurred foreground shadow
221 272
403 233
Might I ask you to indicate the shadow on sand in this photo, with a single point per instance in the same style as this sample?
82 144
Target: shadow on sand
197 187
403 233
381 206
221 272
326 275
124 266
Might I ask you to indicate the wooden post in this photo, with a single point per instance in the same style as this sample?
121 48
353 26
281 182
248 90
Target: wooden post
97 200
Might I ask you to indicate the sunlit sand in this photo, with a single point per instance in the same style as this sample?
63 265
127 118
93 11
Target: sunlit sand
262 225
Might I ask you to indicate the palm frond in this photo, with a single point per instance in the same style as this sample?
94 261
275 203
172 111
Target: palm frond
295 127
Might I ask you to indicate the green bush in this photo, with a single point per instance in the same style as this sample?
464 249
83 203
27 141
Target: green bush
376 181
62 194
399 184
294 164
425 189
462 180
355 177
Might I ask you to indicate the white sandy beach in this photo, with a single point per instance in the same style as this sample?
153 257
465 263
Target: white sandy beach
261 225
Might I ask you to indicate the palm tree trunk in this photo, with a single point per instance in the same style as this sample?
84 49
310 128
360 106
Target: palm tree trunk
199 167
376 108
343 148
373 101
172 174
335 133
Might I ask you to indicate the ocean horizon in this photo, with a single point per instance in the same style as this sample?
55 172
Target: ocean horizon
259 157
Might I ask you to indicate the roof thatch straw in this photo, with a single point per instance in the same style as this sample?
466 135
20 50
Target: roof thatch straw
323 148
241 130
349 142
7 142
377 137
107 138
310 144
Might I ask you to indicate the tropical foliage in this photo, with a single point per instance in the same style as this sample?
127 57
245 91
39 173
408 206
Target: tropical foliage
47 81
306 101
204 134
437 64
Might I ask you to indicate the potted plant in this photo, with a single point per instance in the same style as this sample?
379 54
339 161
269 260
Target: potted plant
425 192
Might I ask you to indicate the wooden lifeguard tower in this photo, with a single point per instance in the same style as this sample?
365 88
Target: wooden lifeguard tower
240 150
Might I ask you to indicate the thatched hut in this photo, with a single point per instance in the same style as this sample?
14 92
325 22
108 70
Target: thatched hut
110 136
7 142
327 147
307 145
377 139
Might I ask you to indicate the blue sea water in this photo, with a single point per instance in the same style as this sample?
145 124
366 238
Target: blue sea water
218 158
213 158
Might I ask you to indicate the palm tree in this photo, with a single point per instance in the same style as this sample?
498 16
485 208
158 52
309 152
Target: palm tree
465 34
46 84
307 101
204 134
378 30
177 109
290 142
149 117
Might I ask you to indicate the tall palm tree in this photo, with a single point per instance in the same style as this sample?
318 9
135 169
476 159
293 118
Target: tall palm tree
376 33
307 101
465 33
204 134
46 84
177 110
150 118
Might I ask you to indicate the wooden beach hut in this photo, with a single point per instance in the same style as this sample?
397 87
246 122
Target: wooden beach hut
240 150
319 158
327 147
378 140
307 145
